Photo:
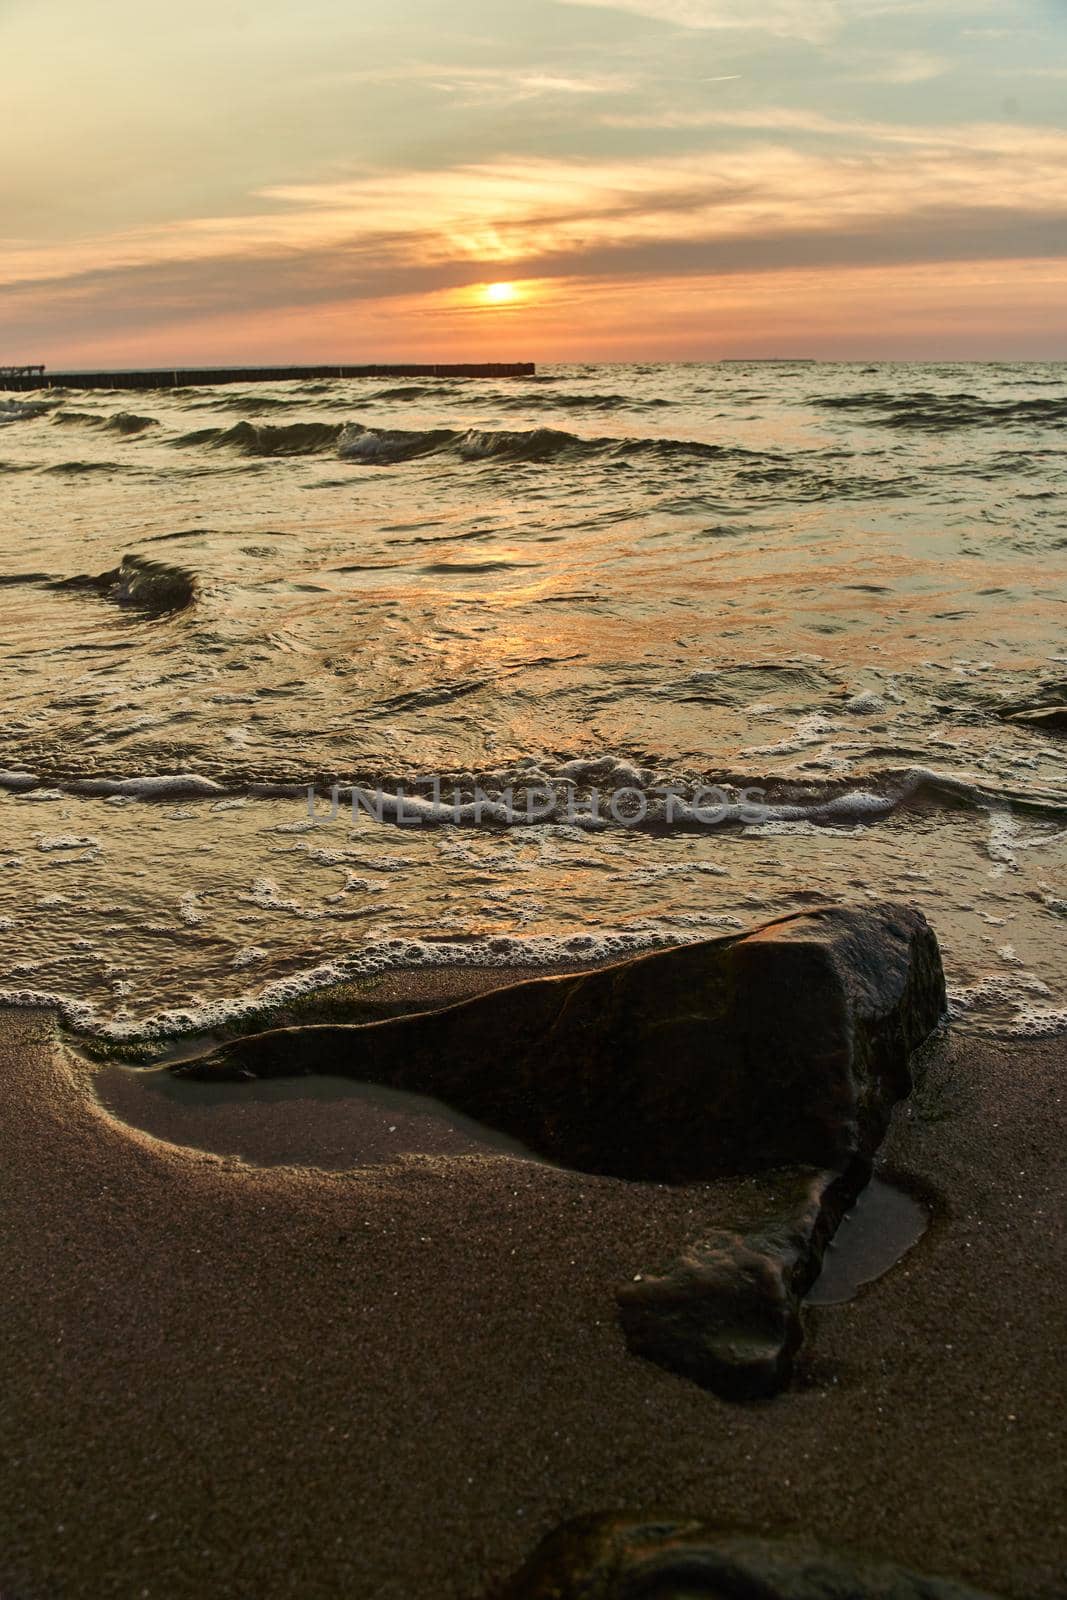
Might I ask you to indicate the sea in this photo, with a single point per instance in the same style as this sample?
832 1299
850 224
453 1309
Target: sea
303 681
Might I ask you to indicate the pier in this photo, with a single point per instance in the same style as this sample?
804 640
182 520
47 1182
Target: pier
38 377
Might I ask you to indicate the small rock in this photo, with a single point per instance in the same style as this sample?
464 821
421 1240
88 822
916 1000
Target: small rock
727 1313
623 1557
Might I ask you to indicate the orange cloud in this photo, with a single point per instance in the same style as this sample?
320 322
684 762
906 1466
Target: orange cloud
518 210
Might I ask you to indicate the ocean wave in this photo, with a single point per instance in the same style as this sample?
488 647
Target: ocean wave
1045 711
925 409
169 786
248 405
382 446
745 683
389 446
128 424
417 391
125 423
386 446
76 419
265 439
516 399
22 410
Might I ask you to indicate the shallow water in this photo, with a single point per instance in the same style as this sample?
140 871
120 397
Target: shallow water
883 1225
820 582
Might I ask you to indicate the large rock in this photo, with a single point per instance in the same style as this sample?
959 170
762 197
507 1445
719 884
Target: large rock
675 1558
786 1046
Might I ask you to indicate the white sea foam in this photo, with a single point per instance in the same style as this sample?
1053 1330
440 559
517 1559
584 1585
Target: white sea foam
148 788
502 951
1008 1005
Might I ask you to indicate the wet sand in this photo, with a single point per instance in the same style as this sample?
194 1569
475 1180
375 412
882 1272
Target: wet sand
229 1380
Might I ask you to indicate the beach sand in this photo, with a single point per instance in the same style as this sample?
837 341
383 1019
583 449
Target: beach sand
230 1380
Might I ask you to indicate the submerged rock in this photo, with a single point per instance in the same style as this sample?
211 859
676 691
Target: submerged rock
786 1046
150 586
675 1558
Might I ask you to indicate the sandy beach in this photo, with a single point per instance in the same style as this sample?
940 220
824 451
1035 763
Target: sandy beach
228 1379
533 811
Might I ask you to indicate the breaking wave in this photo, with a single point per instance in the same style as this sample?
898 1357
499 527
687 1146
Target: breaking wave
385 446
230 1012
22 410
125 423
264 439
377 446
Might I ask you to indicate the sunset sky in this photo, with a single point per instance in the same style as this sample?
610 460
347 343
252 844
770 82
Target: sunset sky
261 180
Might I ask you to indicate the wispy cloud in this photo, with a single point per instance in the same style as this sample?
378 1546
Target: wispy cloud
489 85
895 66
796 19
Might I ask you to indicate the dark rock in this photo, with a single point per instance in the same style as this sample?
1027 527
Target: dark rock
786 1046
1045 709
631 1557
727 1313
151 586
1053 717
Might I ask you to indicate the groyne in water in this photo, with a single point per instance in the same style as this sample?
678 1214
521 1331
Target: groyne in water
192 377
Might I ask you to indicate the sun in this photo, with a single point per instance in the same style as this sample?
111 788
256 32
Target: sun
501 294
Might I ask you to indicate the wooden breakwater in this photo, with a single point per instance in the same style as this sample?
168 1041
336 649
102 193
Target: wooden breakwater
193 377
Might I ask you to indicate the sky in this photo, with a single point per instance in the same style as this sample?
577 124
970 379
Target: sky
340 180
